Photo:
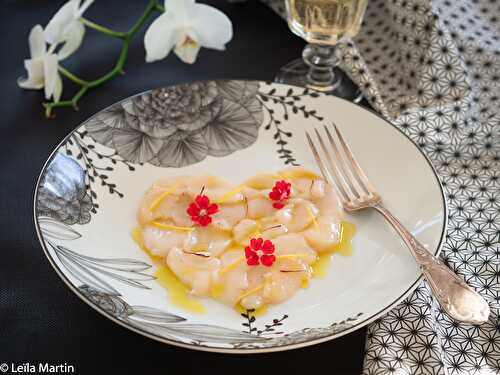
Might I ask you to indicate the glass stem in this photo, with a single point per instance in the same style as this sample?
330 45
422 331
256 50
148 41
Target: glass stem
321 60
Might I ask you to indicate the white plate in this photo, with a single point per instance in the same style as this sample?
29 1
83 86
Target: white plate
89 190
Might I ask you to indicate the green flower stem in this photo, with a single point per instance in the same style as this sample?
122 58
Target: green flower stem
71 76
118 68
102 29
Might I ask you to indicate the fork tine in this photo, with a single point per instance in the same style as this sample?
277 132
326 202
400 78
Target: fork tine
360 174
321 166
324 169
345 170
338 179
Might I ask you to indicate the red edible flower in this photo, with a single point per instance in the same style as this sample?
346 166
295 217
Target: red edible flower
280 193
260 252
201 210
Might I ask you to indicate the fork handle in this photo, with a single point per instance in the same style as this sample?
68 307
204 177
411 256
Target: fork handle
457 298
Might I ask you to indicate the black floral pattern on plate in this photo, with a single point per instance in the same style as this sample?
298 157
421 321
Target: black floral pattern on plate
91 271
168 325
62 194
291 338
284 105
181 125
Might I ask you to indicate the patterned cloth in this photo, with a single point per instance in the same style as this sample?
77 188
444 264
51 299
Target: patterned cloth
433 69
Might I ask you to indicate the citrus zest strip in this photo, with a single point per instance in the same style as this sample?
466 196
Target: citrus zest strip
163 226
231 266
156 203
313 218
251 291
226 196
292 256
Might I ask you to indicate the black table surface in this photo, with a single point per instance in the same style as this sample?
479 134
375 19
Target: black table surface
41 320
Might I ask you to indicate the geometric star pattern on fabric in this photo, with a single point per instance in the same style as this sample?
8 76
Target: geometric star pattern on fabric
432 68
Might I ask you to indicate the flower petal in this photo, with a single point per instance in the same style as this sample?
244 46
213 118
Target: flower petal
36 42
238 91
187 50
73 38
101 126
253 260
55 29
204 220
58 88
180 9
193 210
202 201
50 73
268 247
35 79
135 146
213 28
267 260
181 151
84 7
212 209
233 129
160 37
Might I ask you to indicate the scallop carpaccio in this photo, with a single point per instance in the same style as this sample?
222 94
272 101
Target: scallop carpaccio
251 245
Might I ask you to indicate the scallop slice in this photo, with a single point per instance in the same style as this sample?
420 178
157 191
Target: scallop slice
228 195
309 189
206 183
295 266
252 297
326 235
297 215
252 301
159 242
231 280
229 214
245 230
178 211
216 189
221 224
301 188
194 270
259 207
157 202
329 204
250 193
208 239
293 246
272 228
318 189
280 286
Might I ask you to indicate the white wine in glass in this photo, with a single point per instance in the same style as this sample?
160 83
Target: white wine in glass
322 23
325 21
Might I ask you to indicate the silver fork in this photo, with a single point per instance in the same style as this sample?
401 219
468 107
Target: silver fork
341 170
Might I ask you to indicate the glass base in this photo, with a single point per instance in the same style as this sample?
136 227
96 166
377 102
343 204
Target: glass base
295 73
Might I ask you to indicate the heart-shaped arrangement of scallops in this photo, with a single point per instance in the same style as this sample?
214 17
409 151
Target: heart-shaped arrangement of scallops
251 245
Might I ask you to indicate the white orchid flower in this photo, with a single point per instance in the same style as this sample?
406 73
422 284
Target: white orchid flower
42 68
186 26
66 27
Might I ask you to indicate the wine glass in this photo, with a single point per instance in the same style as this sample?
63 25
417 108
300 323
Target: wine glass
322 23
